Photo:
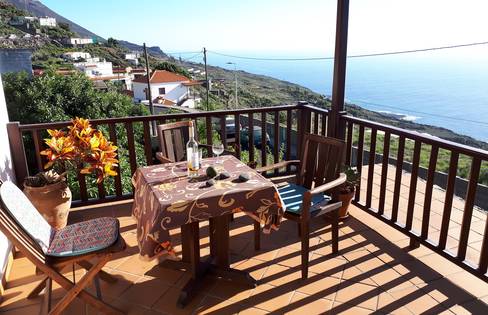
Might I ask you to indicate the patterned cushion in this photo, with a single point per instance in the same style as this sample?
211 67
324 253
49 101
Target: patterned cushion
292 196
84 237
26 215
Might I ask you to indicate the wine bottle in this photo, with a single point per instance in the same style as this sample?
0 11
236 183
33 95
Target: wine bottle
192 154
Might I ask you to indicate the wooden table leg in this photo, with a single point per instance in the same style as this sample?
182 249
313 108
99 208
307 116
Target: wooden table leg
222 233
213 237
219 246
190 240
222 268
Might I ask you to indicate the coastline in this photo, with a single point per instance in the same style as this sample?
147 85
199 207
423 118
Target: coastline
268 90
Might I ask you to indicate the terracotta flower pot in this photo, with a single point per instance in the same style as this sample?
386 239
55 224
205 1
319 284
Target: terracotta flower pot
346 202
52 201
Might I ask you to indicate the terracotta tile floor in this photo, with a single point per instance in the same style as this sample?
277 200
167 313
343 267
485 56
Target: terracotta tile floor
437 207
374 273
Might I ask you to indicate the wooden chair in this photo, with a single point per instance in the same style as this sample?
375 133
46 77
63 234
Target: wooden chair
318 173
50 250
172 142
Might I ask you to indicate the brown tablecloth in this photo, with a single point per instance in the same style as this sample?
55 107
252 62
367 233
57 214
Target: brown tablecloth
165 198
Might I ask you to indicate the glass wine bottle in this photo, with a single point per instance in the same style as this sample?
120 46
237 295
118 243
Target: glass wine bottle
192 154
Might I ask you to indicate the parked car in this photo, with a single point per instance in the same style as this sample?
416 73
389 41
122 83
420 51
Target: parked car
230 128
257 138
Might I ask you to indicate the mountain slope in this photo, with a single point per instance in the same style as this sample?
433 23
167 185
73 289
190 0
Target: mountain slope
36 8
154 50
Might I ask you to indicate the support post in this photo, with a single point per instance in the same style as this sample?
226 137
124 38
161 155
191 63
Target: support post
17 150
149 93
303 125
207 84
335 127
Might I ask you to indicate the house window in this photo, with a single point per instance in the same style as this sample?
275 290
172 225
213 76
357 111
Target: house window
162 91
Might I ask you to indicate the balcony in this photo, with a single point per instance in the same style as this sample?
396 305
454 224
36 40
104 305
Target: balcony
415 242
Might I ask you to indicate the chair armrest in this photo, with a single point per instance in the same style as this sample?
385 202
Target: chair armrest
161 158
328 186
277 165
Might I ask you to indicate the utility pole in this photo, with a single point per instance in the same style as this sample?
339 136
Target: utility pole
149 94
206 73
235 81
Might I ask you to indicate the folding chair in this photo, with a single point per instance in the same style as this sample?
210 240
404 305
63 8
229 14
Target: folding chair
50 250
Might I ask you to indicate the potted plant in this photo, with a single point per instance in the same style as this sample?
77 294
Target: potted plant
347 190
80 148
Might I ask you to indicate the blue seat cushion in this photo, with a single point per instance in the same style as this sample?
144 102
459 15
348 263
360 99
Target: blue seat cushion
84 237
292 196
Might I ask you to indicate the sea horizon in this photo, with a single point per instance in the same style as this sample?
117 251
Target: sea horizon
444 88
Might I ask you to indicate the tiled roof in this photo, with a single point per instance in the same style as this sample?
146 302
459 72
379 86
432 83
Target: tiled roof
162 76
163 101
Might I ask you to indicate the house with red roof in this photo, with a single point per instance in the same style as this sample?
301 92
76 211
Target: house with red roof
167 88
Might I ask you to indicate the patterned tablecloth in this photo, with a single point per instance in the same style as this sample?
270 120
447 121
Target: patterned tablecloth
165 198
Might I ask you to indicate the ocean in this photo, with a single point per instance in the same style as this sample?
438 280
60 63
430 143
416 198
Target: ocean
445 88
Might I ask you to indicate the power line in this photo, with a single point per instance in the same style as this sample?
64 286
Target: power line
193 56
352 56
183 52
417 112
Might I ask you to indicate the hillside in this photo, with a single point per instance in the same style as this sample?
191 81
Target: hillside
36 8
254 90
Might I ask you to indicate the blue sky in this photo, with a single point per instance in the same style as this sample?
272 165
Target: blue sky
284 27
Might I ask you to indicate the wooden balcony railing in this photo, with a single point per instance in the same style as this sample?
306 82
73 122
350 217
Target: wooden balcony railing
137 146
403 150
285 125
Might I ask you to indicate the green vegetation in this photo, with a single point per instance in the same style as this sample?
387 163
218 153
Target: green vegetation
50 55
7 12
168 66
443 158
52 97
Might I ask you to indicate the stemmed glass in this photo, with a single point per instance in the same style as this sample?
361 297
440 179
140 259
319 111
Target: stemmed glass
217 149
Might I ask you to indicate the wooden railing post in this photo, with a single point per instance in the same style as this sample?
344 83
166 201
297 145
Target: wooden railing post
304 117
17 150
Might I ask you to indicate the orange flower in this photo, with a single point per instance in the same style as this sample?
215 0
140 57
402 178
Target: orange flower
86 146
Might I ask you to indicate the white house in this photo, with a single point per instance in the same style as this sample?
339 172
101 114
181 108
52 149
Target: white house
133 58
47 21
133 55
76 55
74 41
167 88
95 69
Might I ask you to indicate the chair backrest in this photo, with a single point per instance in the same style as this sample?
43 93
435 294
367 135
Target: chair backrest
172 140
321 161
19 214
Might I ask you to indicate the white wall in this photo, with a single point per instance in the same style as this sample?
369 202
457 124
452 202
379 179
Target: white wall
94 69
175 91
6 173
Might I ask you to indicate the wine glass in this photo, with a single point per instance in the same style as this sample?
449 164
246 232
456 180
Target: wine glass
217 149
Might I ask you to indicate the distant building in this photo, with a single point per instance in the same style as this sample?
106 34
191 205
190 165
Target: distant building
75 41
133 58
95 69
15 60
133 55
167 88
25 24
47 21
76 55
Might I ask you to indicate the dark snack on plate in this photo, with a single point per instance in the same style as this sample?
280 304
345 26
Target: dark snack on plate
210 182
224 175
243 177
211 172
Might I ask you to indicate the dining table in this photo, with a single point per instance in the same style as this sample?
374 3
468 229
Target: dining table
165 198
